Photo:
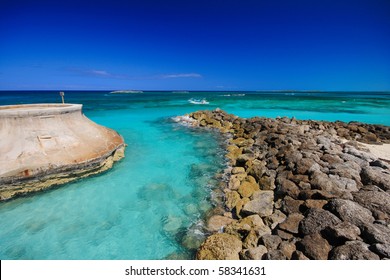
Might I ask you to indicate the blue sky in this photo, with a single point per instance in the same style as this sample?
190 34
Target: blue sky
195 45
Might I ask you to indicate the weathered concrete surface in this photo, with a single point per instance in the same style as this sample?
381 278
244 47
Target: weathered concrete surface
42 145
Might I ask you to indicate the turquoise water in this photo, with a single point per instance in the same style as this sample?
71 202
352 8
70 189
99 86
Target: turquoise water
153 201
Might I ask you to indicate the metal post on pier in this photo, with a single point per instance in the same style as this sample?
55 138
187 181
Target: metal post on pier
62 97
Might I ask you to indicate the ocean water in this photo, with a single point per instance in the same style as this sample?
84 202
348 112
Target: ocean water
151 205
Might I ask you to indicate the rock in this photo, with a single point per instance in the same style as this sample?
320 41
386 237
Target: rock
250 240
240 204
291 224
257 169
246 189
306 166
242 227
291 205
315 194
275 218
217 222
353 250
374 200
315 203
271 242
256 253
267 183
350 211
237 170
382 250
375 233
298 255
287 187
242 142
317 220
235 182
232 198
376 176
287 248
342 232
220 246
323 182
275 255
314 246
261 203
284 234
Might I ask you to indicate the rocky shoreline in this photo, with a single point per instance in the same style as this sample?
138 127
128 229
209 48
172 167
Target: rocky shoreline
299 190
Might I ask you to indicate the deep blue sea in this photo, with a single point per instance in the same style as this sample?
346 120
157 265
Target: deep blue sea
151 205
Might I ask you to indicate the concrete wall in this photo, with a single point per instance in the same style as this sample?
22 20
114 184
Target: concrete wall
40 142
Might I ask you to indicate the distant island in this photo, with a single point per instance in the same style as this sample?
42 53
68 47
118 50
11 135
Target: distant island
126 91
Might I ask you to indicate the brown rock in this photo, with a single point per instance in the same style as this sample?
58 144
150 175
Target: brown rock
375 233
232 198
271 242
298 255
291 224
275 218
217 222
306 166
291 205
284 234
382 250
353 250
342 232
220 246
267 183
374 200
237 170
275 255
242 227
261 203
287 248
376 176
350 211
317 220
251 240
314 246
287 187
256 253
315 203
246 189
240 204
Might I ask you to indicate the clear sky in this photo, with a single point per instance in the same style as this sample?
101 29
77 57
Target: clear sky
195 45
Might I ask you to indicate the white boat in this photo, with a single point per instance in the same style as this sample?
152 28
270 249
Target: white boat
198 101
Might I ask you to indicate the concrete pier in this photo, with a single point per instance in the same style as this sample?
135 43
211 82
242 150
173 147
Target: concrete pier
42 145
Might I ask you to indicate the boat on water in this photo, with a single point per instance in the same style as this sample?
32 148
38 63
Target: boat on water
198 101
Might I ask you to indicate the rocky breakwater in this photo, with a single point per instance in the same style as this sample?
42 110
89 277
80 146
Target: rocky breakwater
299 190
43 145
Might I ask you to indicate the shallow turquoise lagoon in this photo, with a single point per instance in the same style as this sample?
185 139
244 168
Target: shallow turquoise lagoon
153 201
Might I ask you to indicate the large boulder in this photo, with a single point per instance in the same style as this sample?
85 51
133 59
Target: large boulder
291 224
316 220
217 223
220 246
350 211
376 201
342 232
314 246
353 250
376 233
376 176
262 204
